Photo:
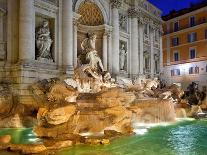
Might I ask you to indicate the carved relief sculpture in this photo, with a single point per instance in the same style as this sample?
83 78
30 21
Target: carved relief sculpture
123 22
44 42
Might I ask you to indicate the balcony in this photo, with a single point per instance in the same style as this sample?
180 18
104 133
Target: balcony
199 22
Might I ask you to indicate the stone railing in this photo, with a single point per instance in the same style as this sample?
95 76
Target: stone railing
150 8
2 50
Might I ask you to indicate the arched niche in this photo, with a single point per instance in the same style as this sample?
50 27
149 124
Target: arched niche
95 2
92 20
91 14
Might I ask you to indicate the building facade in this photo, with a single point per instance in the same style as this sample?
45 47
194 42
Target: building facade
185 46
41 39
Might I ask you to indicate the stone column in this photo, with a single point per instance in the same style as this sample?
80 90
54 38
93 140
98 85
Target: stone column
161 54
75 46
141 49
67 36
152 64
105 50
1 25
134 42
2 44
110 58
168 45
26 30
115 4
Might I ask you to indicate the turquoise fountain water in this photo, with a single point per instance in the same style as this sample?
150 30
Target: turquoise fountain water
184 138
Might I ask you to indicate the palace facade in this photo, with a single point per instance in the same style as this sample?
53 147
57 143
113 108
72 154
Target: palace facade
41 39
185 46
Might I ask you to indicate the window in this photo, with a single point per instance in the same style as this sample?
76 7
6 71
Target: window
175 72
176 26
192 21
192 37
194 70
192 53
191 70
176 56
175 41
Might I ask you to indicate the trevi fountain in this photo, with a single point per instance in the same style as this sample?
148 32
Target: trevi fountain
94 111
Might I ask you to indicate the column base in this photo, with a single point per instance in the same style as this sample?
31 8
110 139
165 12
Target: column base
141 75
68 70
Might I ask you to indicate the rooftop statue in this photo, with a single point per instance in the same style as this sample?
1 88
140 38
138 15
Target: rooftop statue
43 42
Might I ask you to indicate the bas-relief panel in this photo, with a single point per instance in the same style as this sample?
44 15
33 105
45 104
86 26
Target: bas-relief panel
123 22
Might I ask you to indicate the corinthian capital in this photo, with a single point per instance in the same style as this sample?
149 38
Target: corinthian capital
133 13
116 3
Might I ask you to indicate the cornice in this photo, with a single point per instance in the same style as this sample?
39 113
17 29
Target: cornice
187 15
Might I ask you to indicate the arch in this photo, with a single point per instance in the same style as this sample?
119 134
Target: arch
97 3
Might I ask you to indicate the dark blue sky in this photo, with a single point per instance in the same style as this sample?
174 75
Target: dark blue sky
168 5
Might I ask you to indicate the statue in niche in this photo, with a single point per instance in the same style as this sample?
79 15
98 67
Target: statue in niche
44 42
89 45
90 72
122 56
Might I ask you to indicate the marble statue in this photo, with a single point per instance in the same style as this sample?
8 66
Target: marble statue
122 55
91 55
43 42
90 73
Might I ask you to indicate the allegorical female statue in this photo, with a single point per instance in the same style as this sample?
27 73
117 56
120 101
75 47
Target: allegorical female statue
122 56
43 42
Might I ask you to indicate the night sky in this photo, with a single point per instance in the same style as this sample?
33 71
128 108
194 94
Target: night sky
168 5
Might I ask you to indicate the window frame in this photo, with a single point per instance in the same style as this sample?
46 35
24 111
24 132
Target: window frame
190 21
176 52
191 48
177 41
190 37
174 26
